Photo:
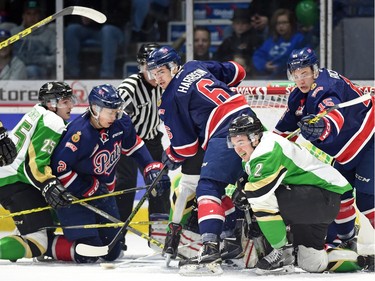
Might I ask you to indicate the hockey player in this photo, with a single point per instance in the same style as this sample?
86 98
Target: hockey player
197 106
286 186
85 161
140 95
28 182
347 134
8 151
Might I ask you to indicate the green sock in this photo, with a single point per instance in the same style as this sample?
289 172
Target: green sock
11 248
275 232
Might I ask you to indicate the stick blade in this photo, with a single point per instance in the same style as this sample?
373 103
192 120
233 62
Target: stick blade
91 251
89 13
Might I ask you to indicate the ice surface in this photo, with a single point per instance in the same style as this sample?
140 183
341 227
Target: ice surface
29 270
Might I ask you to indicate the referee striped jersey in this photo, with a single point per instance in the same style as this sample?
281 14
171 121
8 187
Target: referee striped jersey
141 104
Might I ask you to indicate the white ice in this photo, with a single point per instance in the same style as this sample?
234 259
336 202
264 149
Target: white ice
29 270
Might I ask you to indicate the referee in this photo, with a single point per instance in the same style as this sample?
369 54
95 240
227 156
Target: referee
141 96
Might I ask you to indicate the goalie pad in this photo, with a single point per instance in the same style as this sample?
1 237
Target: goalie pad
158 231
190 243
312 260
342 260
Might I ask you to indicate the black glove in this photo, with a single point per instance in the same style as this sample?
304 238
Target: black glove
8 151
239 199
171 160
241 181
151 171
319 129
55 194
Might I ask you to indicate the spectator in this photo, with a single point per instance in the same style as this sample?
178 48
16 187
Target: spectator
108 36
243 39
38 49
11 67
202 43
140 10
270 59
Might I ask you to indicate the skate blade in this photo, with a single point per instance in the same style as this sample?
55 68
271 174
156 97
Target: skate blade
287 269
201 269
168 258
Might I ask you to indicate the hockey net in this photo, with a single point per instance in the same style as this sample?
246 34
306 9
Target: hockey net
269 103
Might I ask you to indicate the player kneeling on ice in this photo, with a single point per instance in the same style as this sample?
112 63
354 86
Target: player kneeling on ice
28 183
85 162
287 186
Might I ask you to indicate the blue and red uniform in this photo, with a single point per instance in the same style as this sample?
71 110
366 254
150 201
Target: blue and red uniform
197 108
348 137
85 161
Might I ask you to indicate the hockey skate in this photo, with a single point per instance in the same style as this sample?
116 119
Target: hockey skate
208 261
279 261
366 262
350 244
172 240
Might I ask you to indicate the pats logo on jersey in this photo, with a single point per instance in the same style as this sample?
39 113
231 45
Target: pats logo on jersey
76 137
104 137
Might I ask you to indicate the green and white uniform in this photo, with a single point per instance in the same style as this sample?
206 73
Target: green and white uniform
277 161
35 136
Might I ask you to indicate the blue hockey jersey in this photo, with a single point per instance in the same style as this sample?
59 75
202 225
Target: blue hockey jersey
351 127
198 102
85 153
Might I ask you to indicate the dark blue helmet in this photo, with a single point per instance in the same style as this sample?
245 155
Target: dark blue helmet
165 55
105 96
301 58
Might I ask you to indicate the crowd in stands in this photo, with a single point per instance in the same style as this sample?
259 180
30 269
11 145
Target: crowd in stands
260 37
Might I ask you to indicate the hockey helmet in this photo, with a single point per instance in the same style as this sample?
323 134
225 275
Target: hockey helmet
301 58
106 96
52 92
245 125
165 55
145 50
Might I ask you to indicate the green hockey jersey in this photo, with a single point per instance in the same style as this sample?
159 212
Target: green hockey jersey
277 160
35 136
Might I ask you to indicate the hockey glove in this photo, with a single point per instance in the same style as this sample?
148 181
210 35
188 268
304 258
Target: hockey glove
8 151
171 160
319 129
240 200
151 171
55 194
241 182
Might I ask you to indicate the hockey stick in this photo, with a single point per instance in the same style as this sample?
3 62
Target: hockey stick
115 220
40 209
97 251
105 225
336 106
72 10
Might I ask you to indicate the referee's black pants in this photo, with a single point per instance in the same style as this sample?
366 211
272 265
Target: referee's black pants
127 172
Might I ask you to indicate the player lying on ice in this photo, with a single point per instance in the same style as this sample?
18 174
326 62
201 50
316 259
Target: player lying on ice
289 186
